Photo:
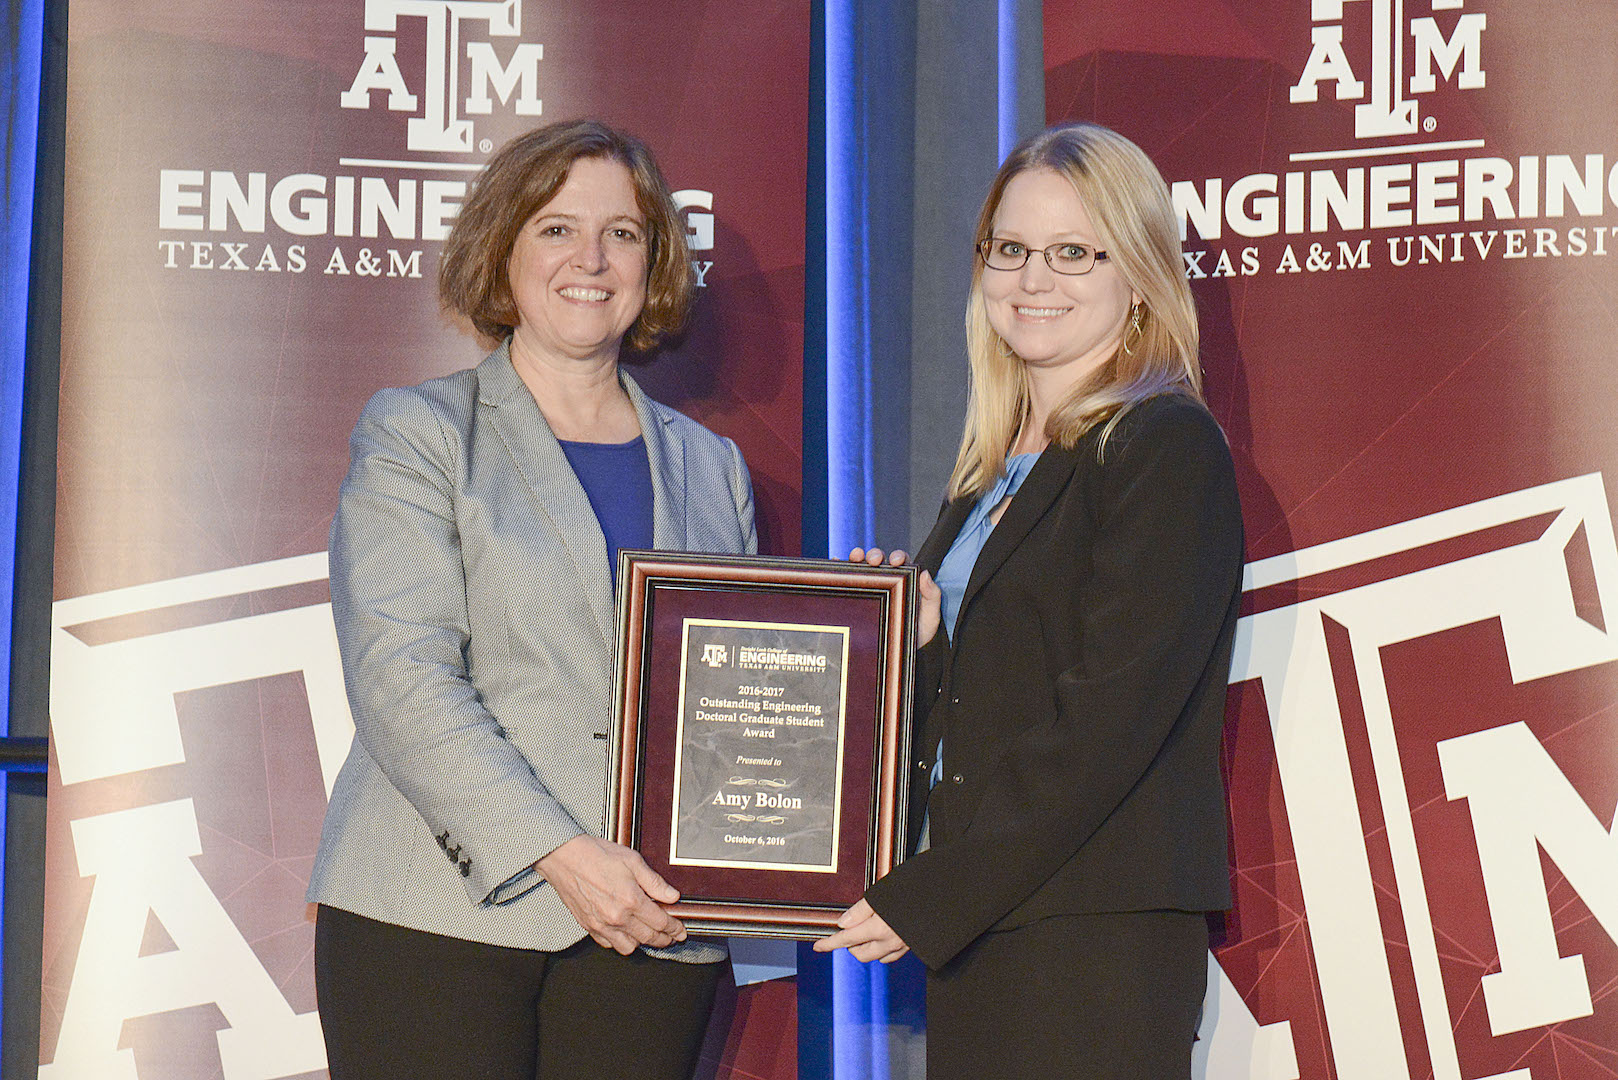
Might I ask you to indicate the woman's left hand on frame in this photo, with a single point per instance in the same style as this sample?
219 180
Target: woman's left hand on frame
866 935
929 599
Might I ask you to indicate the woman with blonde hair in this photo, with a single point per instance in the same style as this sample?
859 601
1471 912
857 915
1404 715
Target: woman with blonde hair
1066 798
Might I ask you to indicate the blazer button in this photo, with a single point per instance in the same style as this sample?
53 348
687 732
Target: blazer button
955 700
922 764
958 778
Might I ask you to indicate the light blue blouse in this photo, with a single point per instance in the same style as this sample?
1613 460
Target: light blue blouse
956 570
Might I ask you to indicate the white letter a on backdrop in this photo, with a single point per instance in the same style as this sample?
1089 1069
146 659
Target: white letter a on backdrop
141 860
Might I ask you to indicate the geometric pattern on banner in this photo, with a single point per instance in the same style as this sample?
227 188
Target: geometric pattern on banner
259 193
1346 643
1530 572
226 686
190 924
1400 222
260 196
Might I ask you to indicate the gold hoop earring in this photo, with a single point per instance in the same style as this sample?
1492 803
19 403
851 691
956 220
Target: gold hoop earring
1134 328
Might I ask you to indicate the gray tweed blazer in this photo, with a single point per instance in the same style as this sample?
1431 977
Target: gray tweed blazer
474 613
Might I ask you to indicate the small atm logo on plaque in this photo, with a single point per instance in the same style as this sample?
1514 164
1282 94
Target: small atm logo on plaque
715 655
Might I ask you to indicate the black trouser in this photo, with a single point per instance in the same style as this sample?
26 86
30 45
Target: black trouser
1088 997
399 1003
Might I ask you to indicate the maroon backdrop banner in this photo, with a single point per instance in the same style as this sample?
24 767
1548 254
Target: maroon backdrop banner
257 194
1401 225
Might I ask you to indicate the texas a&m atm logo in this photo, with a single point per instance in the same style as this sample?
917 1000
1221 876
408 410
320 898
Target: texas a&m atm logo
1437 46
435 95
1439 896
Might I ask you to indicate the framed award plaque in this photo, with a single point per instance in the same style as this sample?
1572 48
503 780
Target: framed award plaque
761 734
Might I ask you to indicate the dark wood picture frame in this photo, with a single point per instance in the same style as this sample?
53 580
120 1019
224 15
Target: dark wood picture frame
871 610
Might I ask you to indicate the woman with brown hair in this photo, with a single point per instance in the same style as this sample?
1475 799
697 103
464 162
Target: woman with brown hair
472 920
1071 682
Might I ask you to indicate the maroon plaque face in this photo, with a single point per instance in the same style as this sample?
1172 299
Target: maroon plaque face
761 734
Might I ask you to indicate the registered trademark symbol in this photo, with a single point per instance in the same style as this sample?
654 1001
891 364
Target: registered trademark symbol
486 145
1429 123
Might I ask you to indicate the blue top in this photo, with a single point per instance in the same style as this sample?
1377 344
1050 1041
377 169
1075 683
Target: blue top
956 569
617 479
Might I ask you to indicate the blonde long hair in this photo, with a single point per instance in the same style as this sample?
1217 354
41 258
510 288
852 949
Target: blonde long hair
1129 205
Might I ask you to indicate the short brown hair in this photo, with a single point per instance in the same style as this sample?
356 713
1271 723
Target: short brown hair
523 176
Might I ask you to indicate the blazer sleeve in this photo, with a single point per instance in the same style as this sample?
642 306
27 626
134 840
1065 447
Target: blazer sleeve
399 602
741 490
1165 567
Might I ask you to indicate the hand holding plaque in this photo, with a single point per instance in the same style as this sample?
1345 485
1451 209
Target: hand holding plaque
760 736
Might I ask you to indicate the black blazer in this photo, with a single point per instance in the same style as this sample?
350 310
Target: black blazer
1082 700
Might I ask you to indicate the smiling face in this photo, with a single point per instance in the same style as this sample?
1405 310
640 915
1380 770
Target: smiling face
1063 323
578 269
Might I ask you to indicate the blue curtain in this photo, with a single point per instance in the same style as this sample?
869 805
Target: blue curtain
24 51
865 114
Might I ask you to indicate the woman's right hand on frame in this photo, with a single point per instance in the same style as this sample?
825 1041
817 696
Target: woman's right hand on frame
927 614
613 894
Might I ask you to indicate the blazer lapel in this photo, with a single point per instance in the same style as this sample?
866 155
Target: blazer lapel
931 554
562 503
665 451
1039 490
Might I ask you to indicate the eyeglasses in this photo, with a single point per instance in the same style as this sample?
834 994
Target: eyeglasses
1072 259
